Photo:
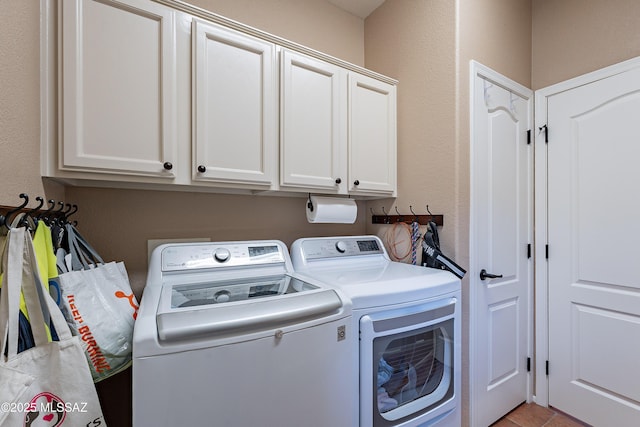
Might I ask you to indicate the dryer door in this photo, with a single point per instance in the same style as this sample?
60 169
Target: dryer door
407 364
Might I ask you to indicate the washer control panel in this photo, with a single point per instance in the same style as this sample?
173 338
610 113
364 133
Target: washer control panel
338 247
208 255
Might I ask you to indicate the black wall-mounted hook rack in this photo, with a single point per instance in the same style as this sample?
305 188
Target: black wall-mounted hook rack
7 213
409 218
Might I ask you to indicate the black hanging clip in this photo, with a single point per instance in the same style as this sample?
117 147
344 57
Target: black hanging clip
309 204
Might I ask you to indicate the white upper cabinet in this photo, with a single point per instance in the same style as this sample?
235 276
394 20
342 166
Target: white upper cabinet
117 88
160 94
313 130
235 106
372 136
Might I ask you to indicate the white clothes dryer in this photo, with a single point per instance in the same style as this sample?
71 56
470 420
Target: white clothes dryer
228 335
408 317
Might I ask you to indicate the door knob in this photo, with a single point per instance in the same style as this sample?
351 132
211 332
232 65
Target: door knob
167 165
485 275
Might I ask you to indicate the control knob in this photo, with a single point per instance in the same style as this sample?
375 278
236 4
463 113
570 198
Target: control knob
222 296
341 246
222 254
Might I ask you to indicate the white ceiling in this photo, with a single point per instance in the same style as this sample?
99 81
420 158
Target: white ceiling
361 8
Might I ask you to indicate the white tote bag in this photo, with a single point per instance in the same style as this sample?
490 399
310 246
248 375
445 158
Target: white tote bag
99 306
49 384
99 310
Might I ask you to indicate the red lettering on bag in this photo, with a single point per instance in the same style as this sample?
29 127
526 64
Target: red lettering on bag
74 310
101 365
98 361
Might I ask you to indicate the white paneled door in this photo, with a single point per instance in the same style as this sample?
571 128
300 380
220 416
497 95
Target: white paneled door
501 274
593 233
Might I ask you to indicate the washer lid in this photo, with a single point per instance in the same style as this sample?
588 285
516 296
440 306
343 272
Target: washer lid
229 291
188 310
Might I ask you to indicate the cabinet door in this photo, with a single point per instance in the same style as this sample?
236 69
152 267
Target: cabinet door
234 106
313 125
118 87
372 136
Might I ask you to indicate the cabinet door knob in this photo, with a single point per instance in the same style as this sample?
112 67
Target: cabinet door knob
338 180
202 169
356 182
167 165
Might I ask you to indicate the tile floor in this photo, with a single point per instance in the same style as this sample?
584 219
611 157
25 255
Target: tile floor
532 415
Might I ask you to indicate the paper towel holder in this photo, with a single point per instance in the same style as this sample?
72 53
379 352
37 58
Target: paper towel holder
310 203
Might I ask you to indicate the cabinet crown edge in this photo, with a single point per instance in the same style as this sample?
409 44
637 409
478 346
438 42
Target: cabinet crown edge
230 23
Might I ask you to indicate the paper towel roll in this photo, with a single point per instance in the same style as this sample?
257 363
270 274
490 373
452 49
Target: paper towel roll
334 210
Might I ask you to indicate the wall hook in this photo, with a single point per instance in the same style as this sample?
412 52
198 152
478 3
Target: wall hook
7 218
429 211
52 203
415 217
386 216
72 211
400 216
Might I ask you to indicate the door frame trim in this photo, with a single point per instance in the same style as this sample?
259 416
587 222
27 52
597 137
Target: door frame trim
479 70
541 267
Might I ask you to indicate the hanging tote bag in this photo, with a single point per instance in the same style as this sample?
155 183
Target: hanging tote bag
25 338
49 384
99 306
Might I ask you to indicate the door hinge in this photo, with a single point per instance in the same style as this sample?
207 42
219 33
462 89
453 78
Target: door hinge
529 250
529 137
528 364
546 367
546 251
546 133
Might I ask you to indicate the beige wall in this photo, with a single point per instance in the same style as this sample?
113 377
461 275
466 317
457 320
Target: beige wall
427 46
20 103
414 42
574 37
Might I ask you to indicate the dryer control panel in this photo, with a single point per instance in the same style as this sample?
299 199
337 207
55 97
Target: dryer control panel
339 247
206 255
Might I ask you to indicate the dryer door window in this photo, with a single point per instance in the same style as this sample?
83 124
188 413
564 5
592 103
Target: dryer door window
411 366
414 372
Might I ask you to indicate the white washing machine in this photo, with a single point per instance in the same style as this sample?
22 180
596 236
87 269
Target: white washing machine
228 335
408 317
